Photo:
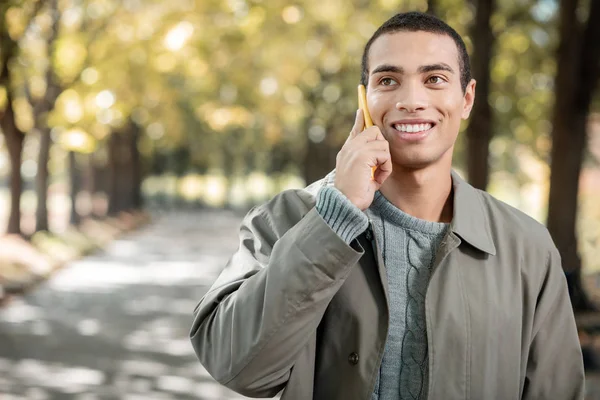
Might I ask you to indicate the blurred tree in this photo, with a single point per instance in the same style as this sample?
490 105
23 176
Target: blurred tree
15 19
42 106
75 186
577 76
521 93
119 161
137 170
125 170
119 67
433 7
61 68
480 130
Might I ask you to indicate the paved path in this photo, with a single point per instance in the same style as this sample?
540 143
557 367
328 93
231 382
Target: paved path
115 325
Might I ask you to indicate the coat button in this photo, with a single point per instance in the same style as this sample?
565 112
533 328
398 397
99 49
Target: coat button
353 358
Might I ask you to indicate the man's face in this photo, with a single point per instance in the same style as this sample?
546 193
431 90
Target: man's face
415 97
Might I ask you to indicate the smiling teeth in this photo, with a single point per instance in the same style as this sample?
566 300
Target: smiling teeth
412 127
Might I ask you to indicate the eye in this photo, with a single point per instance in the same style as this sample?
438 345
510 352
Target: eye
387 82
435 79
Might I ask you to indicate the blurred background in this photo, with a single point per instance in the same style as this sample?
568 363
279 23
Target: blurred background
135 135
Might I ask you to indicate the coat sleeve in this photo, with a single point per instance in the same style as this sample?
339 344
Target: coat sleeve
555 363
262 310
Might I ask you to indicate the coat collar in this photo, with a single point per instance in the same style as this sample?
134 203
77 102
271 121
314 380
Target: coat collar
470 220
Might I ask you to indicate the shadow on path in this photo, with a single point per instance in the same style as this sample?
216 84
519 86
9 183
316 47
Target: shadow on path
115 325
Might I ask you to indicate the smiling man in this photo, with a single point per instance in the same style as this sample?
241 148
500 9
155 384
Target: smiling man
408 285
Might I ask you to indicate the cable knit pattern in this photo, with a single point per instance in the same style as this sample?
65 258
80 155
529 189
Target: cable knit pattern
408 245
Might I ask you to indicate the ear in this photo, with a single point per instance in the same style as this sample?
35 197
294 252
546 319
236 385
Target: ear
469 99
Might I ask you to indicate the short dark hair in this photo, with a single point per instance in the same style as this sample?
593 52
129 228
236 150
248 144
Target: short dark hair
416 22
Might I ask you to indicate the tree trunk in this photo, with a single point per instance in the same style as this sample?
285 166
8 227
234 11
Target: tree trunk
136 168
91 179
88 182
75 187
41 110
479 132
41 213
14 137
119 164
432 7
14 141
127 172
113 187
576 78
100 185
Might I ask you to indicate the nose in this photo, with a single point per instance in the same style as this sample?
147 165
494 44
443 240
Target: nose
412 98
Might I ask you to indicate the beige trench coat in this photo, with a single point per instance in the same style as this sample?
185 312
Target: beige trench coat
297 309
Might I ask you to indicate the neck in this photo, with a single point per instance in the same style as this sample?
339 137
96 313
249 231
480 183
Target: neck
423 193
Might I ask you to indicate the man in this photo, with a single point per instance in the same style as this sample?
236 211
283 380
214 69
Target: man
408 285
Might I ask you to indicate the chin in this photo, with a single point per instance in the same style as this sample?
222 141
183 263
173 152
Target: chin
419 158
412 164
413 161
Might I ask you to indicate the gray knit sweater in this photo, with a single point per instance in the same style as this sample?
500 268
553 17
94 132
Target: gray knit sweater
408 246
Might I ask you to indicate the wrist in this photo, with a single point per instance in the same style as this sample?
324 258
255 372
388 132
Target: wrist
342 216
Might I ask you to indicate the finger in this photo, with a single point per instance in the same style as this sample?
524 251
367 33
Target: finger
366 144
373 147
383 158
359 124
379 145
375 158
384 170
372 134
379 135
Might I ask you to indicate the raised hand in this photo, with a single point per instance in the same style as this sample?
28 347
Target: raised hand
362 151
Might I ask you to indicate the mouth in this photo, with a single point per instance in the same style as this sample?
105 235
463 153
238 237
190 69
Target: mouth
413 127
413 130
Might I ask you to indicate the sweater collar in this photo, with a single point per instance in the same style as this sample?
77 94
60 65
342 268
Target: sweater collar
399 218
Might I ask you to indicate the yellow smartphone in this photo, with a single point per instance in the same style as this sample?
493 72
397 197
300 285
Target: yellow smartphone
362 104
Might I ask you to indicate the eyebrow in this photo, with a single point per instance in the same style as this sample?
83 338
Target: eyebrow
422 69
